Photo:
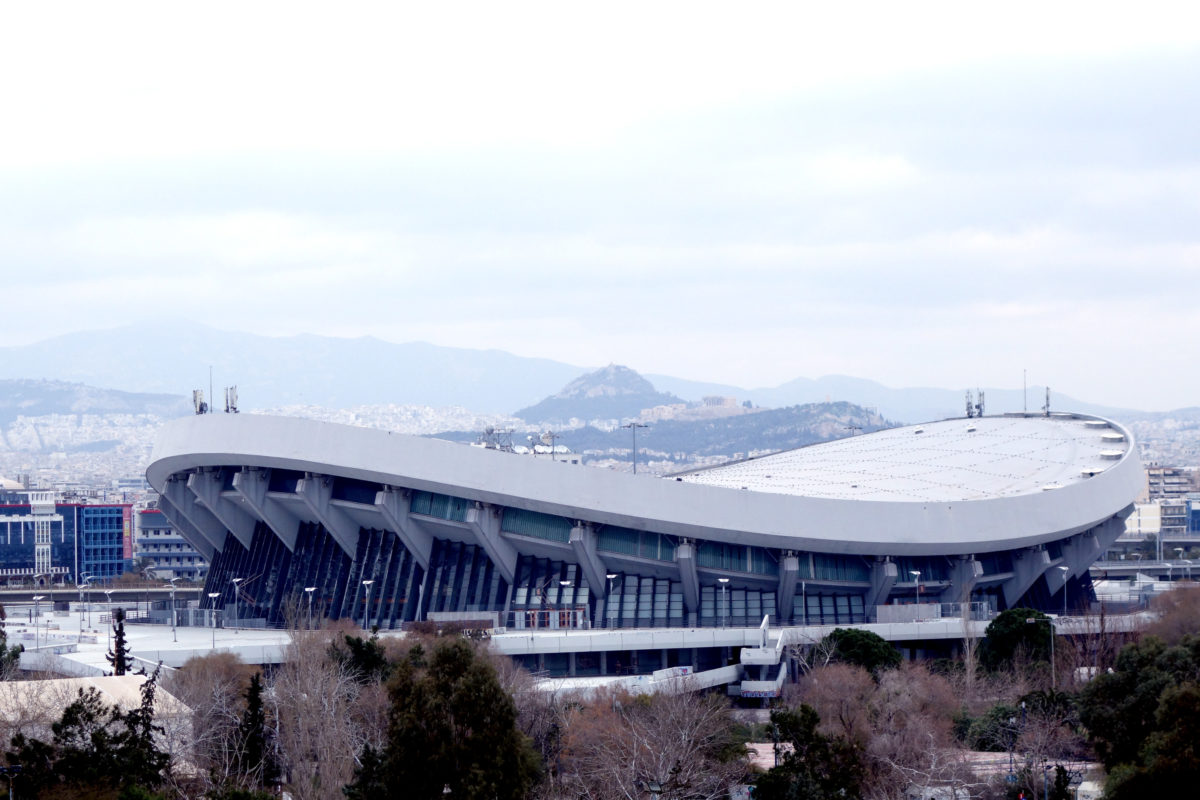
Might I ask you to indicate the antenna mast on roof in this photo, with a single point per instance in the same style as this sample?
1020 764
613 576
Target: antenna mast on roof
970 405
1046 408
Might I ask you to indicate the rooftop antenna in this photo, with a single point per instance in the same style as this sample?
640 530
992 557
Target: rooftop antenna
231 400
1046 408
198 401
970 405
979 405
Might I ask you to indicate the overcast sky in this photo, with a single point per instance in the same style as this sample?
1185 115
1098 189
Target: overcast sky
920 194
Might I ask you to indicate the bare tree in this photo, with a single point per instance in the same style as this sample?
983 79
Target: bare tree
673 746
212 686
842 696
324 715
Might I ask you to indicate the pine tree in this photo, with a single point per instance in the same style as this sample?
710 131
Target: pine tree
257 756
9 656
119 655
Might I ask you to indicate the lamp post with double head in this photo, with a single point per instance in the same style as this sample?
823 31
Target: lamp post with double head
37 618
108 633
10 772
171 581
608 600
367 606
724 607
236 586
633 426
1066 573
212 596
308 590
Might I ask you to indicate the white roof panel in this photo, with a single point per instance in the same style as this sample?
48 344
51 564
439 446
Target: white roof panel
947 461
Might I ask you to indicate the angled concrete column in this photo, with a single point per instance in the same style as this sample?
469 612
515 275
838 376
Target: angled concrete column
252 484
685 559
1079 552
965 572
1028 565
1106 532
207 485
789 571
393 507
317 491
203 521
484 521
190 532
883 578
583 542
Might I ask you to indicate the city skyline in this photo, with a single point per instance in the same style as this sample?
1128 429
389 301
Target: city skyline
921 196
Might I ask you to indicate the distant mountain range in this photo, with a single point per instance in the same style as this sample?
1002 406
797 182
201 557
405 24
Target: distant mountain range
340 373
36 398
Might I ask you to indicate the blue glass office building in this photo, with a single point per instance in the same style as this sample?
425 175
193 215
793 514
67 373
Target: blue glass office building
62 541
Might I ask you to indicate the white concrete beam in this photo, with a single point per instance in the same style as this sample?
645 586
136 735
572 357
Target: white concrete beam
207 486
316 491
1028 566
583 542
189 531
393 506
484 521
252 484
202 520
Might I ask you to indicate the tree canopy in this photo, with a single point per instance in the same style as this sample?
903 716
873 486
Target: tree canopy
864 648
452 733
1142 718
818 766
1011 633
96 751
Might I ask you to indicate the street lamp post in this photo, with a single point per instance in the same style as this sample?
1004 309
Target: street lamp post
367 607
37 618
608 604
10 772
633 426
562 594
1065 575
171 581
87 586
804 600
79 586
308 590
724 608
108 633
1050 620
236 586
212 596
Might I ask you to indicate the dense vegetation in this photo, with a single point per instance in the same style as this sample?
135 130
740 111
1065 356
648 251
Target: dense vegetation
442 717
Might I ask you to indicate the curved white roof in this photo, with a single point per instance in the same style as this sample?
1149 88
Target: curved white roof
1012 482
949 461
